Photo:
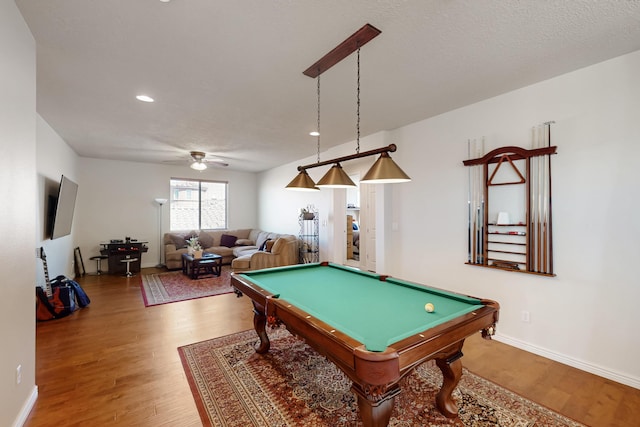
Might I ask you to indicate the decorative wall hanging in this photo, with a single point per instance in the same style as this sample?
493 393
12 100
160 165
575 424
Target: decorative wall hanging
510 223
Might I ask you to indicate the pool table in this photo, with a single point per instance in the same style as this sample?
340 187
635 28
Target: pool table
373 327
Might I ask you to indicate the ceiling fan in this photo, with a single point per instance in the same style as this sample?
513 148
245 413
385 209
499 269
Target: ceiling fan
200 163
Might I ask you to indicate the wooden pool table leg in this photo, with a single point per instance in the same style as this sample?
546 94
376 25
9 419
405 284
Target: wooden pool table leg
451 368
375 412
260 323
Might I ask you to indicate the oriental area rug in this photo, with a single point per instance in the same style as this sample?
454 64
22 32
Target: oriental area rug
174 286
292 385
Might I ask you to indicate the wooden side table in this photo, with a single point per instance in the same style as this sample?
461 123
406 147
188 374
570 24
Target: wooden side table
195 267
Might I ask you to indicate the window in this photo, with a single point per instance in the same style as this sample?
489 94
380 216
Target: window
198 205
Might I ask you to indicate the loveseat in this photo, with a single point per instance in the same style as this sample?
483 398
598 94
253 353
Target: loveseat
234 244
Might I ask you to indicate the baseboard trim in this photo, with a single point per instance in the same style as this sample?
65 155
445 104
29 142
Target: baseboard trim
576 363
26 408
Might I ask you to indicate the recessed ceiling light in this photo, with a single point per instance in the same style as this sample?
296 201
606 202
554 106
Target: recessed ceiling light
144 98
165 1
314 133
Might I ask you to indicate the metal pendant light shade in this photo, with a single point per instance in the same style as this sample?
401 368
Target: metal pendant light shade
385 171
336 177
302 182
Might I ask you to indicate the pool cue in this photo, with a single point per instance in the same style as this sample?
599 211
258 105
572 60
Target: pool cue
530 214
540 198
469 205
544 210
472 211
484 206
533 201
550 228
480 187
476 204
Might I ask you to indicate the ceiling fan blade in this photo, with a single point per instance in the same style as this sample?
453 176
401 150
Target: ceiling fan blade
215 162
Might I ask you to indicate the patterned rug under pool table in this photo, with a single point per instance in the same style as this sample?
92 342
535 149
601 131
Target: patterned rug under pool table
294 386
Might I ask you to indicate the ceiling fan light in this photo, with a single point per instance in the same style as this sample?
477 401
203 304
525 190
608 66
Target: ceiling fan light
302 182
336 177
385 171
199 166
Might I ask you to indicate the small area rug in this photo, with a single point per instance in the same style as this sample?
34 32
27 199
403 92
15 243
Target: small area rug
174 286
294 386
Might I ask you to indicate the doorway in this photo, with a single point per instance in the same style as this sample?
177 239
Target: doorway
353 223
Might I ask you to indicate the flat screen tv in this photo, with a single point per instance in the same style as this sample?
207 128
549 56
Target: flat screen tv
62 207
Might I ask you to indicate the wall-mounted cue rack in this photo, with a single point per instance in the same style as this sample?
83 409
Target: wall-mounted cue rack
509 207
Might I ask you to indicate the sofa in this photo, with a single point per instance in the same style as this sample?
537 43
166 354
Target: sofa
270 249
283 251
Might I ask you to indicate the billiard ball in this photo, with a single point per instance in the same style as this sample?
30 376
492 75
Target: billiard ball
429 307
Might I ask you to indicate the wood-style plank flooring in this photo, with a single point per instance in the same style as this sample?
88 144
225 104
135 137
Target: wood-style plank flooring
116 362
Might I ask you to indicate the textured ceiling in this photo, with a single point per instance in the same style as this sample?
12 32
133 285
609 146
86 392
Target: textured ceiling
227 75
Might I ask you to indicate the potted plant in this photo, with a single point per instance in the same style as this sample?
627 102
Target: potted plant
194 248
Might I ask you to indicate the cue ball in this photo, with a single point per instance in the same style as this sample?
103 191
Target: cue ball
429 307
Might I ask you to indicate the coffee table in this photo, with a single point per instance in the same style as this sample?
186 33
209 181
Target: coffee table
195 267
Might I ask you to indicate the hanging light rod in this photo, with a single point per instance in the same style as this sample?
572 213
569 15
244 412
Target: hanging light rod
388 149
344 49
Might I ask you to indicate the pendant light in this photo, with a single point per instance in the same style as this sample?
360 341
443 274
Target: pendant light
384 170
336 177
302 182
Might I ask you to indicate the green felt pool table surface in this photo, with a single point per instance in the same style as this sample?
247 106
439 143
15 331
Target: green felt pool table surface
359 304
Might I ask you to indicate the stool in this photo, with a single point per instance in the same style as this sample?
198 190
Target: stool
98 259
128 261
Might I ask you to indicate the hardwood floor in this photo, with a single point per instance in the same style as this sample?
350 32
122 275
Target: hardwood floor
115 362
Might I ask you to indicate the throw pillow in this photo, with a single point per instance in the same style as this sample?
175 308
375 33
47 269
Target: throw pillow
244 242
228 240
263 246
205 239
268 245
178 240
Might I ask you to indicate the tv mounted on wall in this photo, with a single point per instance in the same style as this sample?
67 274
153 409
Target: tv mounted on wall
62 207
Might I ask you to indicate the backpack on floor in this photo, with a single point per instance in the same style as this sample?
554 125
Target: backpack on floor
81 296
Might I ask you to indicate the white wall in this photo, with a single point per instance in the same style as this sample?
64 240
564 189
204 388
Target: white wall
17 214
586 316
116 200
54 159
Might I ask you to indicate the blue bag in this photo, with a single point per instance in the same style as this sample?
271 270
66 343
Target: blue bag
81 296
